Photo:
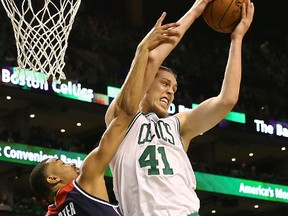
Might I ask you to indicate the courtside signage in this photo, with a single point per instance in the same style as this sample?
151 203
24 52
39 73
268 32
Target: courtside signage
26 79
241 187
231 116
271 127
32 155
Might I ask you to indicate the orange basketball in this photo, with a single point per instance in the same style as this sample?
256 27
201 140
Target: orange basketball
223 15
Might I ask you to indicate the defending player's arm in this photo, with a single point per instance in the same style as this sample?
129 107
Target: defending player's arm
94 166
212 111
92 171
131 91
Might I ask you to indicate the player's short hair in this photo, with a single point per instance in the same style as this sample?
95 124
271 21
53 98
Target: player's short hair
38 182
170 70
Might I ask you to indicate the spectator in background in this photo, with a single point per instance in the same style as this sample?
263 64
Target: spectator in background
4 203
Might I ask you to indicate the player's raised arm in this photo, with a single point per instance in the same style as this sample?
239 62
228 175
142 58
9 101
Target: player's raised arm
213 110
132 90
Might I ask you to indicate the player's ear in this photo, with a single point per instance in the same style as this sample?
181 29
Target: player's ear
53 179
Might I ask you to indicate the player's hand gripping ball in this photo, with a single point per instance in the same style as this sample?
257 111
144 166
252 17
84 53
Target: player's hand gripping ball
223 15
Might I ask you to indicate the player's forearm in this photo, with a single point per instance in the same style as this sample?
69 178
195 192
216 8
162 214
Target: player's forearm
131 92
232 78
112 138
132 89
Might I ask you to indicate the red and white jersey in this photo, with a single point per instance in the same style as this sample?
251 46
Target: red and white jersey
71 200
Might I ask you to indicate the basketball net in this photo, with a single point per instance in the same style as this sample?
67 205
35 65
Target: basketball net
41 31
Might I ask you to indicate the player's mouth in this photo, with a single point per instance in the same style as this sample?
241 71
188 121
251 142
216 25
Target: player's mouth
164 101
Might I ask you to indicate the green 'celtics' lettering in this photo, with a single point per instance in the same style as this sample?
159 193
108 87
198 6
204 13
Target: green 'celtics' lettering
162 131
168 129
145 134
148 158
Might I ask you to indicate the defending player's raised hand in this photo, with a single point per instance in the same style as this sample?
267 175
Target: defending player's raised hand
160 34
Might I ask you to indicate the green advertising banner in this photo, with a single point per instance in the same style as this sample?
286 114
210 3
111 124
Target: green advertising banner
30 80
32 155
241 187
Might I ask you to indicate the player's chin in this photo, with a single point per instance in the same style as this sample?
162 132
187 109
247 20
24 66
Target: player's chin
162 111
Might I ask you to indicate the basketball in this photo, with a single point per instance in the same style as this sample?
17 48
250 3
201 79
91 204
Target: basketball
223 15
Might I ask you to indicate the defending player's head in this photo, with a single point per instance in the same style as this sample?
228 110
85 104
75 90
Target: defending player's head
38 181
49 175
161 92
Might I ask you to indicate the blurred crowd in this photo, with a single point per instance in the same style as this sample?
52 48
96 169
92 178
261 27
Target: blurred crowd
22 205
102 45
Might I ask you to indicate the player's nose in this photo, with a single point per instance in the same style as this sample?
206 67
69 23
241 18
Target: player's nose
170 90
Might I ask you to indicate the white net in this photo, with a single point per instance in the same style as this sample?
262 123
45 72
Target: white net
41 29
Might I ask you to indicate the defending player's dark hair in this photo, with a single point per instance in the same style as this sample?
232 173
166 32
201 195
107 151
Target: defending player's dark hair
38 182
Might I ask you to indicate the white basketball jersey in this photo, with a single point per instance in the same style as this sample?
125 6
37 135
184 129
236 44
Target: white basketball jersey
152 174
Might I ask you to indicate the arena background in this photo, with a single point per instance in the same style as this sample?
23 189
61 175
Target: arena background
101 46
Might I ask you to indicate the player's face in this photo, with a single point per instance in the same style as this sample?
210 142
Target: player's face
161 94
66 172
